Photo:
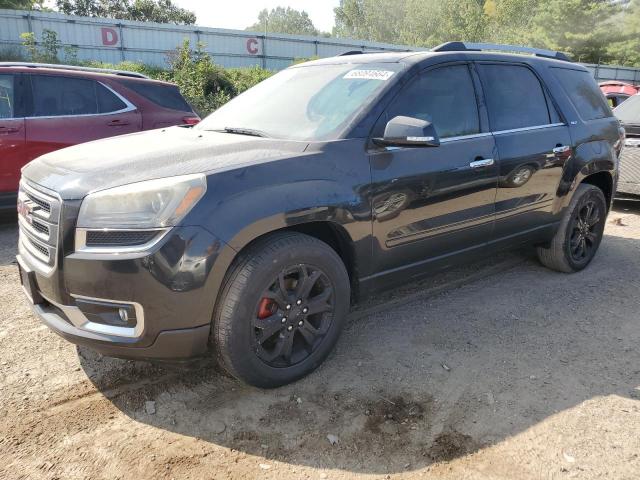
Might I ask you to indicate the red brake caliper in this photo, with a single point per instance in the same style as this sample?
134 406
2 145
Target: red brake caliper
267 308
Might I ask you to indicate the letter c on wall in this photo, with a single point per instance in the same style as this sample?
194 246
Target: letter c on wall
252 46
109 36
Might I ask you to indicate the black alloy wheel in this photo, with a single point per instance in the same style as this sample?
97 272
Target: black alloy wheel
293 316
580 232
585 236
281 310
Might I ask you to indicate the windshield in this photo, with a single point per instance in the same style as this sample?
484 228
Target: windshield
304 103
629 110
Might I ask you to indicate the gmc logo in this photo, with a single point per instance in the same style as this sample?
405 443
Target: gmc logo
24 210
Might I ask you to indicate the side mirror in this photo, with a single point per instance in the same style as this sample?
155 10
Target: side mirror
409 132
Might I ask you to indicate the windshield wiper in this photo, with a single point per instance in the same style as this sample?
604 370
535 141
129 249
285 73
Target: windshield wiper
244 131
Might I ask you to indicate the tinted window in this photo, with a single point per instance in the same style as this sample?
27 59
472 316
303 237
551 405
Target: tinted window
445 97
107 100
629 110
167 96
584 93
7 96
57 96
515 98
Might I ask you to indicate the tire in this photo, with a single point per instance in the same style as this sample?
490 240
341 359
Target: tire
262 289
565 254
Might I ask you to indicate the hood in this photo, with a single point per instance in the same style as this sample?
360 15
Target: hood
76 171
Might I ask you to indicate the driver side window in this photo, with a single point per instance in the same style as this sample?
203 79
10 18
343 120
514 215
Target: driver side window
444 96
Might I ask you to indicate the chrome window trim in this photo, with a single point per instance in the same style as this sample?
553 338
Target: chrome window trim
129 108
486 134
525 129
80 244
81 322
465 137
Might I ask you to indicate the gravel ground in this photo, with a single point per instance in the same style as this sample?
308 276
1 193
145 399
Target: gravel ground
497 370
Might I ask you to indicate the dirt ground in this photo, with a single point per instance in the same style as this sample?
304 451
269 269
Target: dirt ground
497 370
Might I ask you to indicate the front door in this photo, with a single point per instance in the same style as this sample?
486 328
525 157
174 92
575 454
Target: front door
431 202
12 137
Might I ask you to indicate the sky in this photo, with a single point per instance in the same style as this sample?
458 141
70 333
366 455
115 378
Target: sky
239 14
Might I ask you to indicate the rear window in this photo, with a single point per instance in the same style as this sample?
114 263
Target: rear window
515 98
584 93
629 110
167 96
107 100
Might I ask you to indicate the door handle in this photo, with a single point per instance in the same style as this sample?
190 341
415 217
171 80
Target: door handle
483 162
8 130
561 149
117 123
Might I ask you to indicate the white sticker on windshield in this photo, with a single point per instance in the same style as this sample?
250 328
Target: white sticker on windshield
369 74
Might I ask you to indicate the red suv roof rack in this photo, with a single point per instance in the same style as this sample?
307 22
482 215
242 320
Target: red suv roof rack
122 73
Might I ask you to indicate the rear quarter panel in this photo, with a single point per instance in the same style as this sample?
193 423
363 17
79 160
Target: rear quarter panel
593 140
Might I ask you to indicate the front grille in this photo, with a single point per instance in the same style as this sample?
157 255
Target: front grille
38 219
45 205
96 238
40 248
40 227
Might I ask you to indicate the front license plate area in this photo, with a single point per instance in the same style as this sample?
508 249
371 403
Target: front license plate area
28 281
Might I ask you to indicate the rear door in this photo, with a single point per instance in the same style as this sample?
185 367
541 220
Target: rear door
66 111
12 136
533 145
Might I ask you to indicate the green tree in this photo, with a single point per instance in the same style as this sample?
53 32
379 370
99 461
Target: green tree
284 20
22 4
625 50
160 11
581 28
374 20
508 21
432 22
413 22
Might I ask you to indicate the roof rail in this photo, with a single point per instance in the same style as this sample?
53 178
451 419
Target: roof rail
122 73
465 46
352 52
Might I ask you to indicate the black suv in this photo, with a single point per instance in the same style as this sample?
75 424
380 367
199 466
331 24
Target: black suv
253 232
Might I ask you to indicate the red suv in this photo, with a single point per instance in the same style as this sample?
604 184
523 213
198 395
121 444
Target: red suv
48 107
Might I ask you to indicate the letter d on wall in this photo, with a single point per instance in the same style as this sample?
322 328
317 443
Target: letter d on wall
109 36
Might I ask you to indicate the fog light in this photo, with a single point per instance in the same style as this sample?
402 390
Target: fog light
107 313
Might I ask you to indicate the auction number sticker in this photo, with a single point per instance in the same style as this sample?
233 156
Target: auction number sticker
369 75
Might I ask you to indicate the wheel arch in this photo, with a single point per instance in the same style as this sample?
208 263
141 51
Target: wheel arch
604 181
331 233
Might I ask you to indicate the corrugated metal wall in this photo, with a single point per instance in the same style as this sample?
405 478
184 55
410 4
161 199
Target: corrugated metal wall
113 41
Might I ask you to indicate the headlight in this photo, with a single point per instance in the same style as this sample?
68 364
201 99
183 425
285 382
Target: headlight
143 205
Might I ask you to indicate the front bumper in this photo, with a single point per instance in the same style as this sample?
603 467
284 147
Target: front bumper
170 288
